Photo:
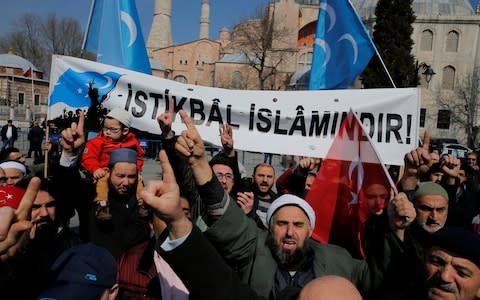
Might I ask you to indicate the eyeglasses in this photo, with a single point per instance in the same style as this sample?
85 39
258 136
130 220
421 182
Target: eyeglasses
220 175
112 129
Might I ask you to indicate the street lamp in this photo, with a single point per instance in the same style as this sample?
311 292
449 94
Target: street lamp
427 72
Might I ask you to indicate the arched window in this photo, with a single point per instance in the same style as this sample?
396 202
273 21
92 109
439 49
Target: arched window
452 41
305 60
427 40
180 78
237 80
448 78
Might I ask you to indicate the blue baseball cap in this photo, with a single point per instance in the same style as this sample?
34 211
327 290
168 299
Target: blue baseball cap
82 272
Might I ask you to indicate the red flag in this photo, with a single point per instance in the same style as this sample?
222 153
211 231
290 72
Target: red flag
11 196
28 73
352 185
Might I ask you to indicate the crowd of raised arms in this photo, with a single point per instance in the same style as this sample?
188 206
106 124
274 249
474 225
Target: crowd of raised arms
201 231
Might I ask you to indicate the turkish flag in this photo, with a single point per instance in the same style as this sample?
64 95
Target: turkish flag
11 196
28 73
351 185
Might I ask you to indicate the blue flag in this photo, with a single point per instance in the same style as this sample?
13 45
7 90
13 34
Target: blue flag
342 47
115 35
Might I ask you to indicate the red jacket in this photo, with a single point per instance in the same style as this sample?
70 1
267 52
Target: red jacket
97 151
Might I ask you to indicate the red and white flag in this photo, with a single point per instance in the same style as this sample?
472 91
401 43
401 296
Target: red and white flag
28 73
11 196
351 185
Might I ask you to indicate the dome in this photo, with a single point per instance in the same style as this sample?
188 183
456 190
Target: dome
366 8
15 61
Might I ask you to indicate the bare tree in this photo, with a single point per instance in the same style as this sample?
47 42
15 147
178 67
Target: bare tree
463 103
63 36
36 39
257 38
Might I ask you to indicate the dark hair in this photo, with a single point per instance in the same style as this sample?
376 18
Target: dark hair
46 185
220 160
262 165
5 153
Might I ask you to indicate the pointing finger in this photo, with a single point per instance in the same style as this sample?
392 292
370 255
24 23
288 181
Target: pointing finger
81 122
426 140
23 210
168 175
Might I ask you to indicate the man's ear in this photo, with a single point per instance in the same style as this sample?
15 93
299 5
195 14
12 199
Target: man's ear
112 295
125 131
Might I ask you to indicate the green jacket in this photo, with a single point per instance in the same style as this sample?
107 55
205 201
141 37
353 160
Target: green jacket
243 245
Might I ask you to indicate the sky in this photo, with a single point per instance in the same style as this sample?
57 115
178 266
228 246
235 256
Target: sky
185 14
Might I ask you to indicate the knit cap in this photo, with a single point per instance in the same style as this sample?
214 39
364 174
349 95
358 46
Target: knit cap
121 115
430 188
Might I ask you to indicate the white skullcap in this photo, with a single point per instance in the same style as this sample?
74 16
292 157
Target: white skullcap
13 164
290 200
121 116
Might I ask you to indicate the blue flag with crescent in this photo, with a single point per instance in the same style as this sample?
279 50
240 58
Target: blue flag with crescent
115 35
342 47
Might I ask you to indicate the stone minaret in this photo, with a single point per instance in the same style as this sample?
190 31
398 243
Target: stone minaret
161 33
205 19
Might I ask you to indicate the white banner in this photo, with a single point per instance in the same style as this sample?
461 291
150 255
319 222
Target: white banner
282 122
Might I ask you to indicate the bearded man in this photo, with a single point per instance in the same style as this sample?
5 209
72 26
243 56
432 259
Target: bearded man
45 241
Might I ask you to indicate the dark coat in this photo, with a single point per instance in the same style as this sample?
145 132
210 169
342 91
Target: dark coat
192 258
126 229
244 246
24 275
14 132
35 135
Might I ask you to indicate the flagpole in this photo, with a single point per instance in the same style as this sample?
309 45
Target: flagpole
86 29
385 67
33 95
373 44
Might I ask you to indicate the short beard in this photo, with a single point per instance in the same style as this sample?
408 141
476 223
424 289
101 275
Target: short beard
289 261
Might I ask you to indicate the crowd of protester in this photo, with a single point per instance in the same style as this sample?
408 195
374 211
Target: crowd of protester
204 231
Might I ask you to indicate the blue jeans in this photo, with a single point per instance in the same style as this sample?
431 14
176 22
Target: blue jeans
8 143
267 157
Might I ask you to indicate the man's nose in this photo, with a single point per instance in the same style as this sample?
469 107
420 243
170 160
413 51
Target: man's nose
43 211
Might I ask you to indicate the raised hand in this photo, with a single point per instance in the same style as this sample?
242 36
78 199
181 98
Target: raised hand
189 143
14 224
417 162
451 167
165 121
163 196
307 164
401 214
74 136
226 138
190 146
245 201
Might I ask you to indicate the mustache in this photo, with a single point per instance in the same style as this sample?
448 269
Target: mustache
431 222
448 287
46 220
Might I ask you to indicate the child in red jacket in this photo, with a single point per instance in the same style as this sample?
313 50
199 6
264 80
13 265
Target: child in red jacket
114 135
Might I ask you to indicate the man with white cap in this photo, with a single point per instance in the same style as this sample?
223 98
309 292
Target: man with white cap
274 262
14 171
